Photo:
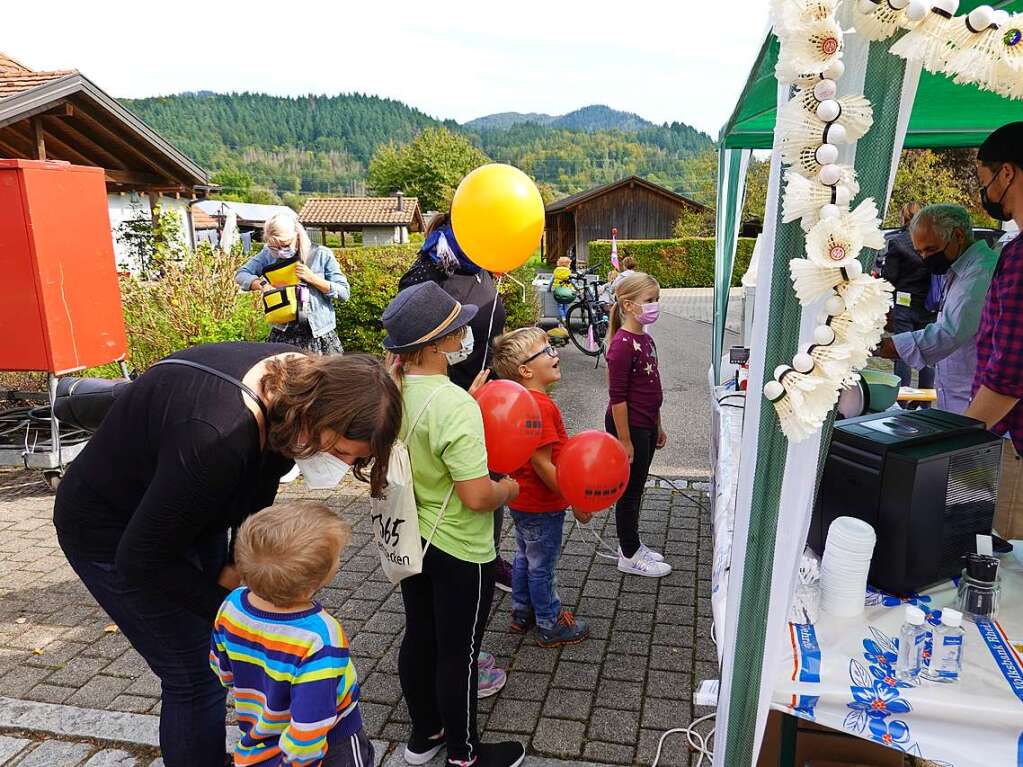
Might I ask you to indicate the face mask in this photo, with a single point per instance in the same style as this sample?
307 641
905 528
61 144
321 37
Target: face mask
994 208
283 253
649 313
322 471
938 263
463 353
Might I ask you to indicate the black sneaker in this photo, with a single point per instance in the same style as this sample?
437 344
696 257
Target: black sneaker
567 630
510 753
420 750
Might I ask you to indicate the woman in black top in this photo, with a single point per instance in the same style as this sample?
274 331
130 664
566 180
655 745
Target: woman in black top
183 456
441 260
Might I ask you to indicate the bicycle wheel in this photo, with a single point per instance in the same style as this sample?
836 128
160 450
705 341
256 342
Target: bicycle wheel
583 331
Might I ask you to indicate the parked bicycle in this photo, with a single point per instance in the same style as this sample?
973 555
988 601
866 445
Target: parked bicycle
586 319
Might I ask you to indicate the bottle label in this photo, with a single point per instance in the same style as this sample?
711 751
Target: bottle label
953 640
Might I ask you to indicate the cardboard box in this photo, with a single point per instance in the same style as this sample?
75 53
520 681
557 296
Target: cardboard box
819 746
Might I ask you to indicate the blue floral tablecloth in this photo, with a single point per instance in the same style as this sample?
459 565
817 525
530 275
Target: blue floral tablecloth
838 673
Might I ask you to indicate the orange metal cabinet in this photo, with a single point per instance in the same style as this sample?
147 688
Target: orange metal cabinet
60 305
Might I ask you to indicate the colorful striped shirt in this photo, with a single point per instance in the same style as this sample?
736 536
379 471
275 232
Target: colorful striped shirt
295 688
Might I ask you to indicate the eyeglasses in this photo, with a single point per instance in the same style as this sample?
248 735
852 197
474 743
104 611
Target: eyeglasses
549 350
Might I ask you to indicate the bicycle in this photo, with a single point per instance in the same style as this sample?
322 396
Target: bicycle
587 319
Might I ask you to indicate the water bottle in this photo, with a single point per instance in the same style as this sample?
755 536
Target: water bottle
947 651
911 645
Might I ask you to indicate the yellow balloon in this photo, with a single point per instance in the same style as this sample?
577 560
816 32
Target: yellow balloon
497 215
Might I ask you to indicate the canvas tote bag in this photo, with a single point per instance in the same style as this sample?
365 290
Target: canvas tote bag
395 517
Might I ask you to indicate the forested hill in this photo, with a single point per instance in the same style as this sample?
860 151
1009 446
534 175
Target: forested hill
317 144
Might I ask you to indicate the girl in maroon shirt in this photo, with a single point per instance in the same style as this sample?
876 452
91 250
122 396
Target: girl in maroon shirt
634 411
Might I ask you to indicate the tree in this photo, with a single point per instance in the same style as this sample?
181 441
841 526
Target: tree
429 167
931 177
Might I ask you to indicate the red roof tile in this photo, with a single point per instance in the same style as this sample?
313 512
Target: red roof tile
352 211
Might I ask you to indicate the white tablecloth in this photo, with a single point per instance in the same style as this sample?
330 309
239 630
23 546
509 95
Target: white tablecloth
838 673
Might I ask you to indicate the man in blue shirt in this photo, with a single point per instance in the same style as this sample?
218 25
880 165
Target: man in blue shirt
943 237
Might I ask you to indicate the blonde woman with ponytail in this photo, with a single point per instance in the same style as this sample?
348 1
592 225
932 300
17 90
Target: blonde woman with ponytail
634 411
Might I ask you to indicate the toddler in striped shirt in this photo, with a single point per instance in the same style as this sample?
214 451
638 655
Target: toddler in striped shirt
282 655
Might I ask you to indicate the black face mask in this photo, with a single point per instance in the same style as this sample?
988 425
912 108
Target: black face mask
994 208
938 263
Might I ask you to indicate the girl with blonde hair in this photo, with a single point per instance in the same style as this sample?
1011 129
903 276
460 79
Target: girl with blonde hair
316 267
634 411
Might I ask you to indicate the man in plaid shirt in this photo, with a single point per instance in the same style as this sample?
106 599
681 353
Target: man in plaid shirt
998 383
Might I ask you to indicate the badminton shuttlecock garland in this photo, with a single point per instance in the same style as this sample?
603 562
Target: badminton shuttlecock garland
818 193
930 42
880 19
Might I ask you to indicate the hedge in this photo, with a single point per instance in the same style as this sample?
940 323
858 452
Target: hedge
373 274
685 263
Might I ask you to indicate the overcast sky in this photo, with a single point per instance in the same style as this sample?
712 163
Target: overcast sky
683 60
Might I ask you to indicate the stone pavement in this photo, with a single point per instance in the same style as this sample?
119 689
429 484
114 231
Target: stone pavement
605 701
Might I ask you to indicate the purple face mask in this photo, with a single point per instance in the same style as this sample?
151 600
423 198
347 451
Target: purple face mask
649 313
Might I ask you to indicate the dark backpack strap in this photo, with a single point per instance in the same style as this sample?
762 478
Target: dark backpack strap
222 376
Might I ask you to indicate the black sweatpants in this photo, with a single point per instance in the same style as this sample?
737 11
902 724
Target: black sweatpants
644 442
446 609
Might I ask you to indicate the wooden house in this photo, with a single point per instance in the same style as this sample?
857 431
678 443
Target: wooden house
62 115
639 209
381 220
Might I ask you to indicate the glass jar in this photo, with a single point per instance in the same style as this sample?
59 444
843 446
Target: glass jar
978 600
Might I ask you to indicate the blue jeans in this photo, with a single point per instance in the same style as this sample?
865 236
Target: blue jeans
538 537
176 645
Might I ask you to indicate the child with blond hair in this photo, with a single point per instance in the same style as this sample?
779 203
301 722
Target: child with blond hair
285 657
526 356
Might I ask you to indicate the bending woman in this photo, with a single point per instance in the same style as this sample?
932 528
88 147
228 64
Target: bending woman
192 448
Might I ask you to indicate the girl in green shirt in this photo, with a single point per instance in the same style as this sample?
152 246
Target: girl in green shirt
446 606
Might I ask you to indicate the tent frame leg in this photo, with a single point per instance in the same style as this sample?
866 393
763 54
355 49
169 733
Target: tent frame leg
789 733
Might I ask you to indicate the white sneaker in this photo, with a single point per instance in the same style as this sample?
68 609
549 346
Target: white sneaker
645 551
643 565
292 475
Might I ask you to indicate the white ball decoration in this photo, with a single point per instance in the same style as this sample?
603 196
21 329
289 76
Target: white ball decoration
823 335
830 175
780 371
867 6
949 6
773 390
837 134
830 211
834 70
1000 17
826 89
827 154
802 362
917 10
854 269
834 306
842 195
982 17
898 5
829 110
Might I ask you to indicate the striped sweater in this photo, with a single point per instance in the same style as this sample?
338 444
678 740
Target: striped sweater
295 688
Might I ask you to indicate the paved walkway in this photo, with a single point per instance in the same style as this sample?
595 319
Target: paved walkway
605 701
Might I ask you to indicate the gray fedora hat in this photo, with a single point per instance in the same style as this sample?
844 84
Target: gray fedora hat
421 314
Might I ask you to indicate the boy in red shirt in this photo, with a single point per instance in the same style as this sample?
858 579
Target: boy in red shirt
526 356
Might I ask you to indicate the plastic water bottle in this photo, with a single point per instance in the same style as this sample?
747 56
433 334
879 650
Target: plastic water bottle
911 645
947 651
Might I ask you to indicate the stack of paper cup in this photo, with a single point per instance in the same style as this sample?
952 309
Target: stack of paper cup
844 566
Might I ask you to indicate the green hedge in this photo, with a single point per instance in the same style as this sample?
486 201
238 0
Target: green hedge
687 263
373 274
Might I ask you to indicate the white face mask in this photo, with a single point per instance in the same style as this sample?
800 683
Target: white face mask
322 471
463 353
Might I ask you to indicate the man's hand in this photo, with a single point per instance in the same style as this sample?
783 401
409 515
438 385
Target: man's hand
230 578
662 438
886 349
629 449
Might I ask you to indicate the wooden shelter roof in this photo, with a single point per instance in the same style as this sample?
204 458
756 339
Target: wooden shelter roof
574 200
62 115
361 211
203 220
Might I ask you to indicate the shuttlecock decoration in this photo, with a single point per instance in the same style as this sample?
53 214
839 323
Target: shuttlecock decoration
930 41
978 62
879 20
808 50
792 425
818 192
804 198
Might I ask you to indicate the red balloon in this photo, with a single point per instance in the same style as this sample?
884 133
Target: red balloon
593 470
511 424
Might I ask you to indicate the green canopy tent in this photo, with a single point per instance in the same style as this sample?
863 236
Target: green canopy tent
913 110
